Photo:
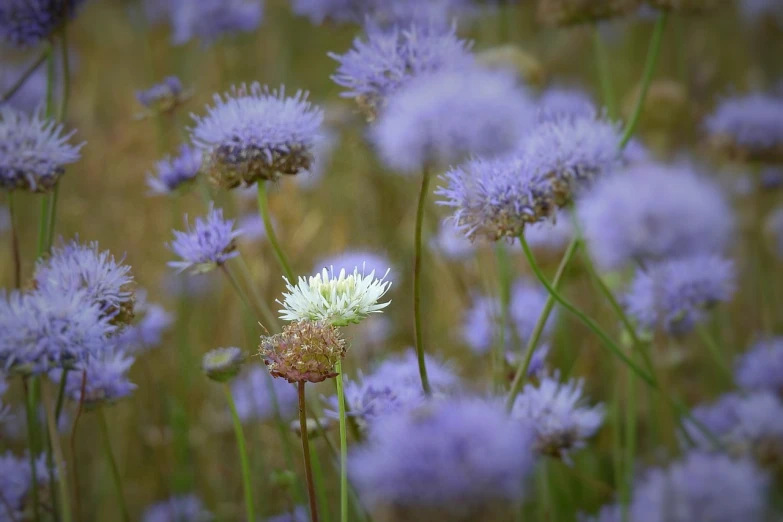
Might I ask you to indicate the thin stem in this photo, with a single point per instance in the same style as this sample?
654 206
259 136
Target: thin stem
715 352
649 69
64 496
73 445
343 444
15 254
49 453
31 423
247 485
320 489
19 83
269 316
504 283
115 471
630 444
241 293
417 256
306 453
263 209
60 395
43 219
521 373
604 75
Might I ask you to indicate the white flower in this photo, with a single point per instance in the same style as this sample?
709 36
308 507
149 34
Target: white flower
336 300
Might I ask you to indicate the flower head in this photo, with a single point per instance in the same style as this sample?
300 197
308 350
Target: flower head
24 23
105 379
33 151
306 351
208 244
335 299
442 117
569 12
208 20
175 173
222 364
148 332
676 294
164 96
16 482
253 134
761 367
748 127
255 391
184 508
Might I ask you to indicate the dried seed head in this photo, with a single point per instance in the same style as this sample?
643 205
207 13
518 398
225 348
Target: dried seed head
305 351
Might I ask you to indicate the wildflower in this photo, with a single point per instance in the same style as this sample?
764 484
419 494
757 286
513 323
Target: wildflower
366 261
105 379
452 243
558 415
175 173
255 393
381 11
676 294
653 212
335 299
206 246
163 97
442 117
33 151
222 364
748 127
453 458
208 20
16 483
557 103
551 235
306 351
761 367
390 58
570 12
181 508
253 134
24 23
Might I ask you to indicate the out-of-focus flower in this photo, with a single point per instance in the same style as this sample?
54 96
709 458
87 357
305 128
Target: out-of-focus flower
755 11
761 367
252 134
207 245
148 332
383 12
300 514
570 12
163 97
452 243
334 299
653 212
306 351
192 286
442 117
551 235
209 20
748 127
366 261
183 508
105 379
222 364
16 482
5 410
24 23
557 103
252 391
33 151
175 173
29 96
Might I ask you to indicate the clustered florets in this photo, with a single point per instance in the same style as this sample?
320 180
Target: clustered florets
306 351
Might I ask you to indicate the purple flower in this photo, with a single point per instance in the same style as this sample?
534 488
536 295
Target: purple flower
183 508
29 96
209 20
761 367
381 11
5 410
33 151
105 379
174 173
440 118
253 134
551 235
16 480
749 126
452 243
366 261
558 103
450 457
652 212
163 96
676 294
148 332
252 391
557 413
24 23
207 245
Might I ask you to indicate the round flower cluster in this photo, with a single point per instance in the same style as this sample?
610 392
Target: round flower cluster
305 351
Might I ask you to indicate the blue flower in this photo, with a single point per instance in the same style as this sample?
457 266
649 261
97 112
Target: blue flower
748 127
676 294
24 23
253 134
163 96
252 391
653 212
176 172
442 117
209 20
105 378
33 151
207 245
183 508
761 367
557 103
148 332
16 481
366 261
449 458
378 67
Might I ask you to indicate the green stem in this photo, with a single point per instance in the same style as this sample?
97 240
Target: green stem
715 352
243 460
521 373
115 470
31 442
263 209
238 289
49 449
306 453
43 223
504 276
15 254
343 444
64 496
417 257
320 490
266 312
630 445
649 69
604 75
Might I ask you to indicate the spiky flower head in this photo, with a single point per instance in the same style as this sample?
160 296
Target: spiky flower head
163 97
222 364
570 12
557 412
33 151
105 379
175 174
389 58
335 299
761 367
306 351
748 128
209 20
183 508
677 294
74 266
443 117
24 23
256 402
252 134
207 245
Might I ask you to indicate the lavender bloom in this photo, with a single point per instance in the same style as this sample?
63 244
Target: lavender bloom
452 458
148 332
207 245
748 127
381 11
375 69
405 368
676 294
701 486
253 134
761 367
15 484
653 212
209 20
33 151
452 243
164 96
442 117
550 235
252 391
365 261
558 103
175 173
558 415
183 508
482 321
105 379
24 23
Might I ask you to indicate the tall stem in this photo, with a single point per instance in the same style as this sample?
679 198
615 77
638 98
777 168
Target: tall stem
306 453
604 75
504 283
263 209
320 489
417 255
64 495
32 448
715 352
649 69
115 470
343 444
244 463
521 373
76 419
19 83
15 254
630 444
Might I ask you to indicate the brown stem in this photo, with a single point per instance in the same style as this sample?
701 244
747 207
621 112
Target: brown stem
306 453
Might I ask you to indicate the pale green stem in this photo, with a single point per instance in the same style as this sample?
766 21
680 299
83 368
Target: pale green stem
417 258
115 470
715 352
64 496
244 463
630 444
504 283
263 209
343 444
604 75
320 489
306 452
29 403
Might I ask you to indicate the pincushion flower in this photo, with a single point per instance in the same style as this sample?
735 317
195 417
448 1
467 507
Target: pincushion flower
207 245
748 127
175 173
363 260
306 351
105 379
336 299
761 367
24 23
556 103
